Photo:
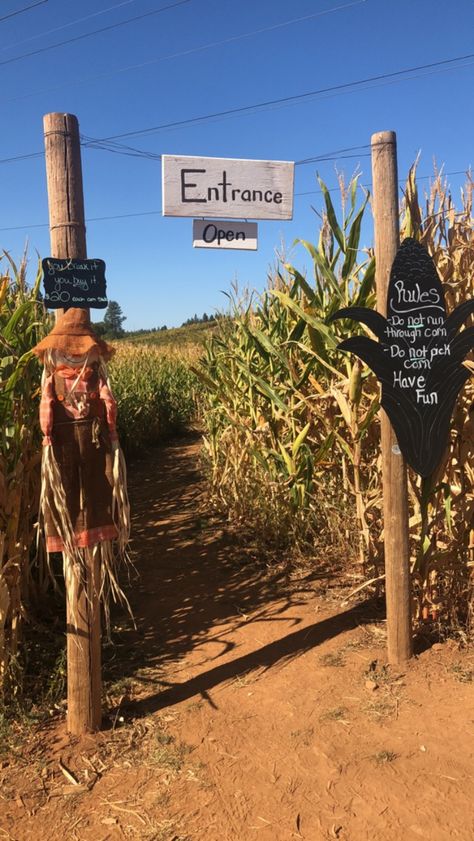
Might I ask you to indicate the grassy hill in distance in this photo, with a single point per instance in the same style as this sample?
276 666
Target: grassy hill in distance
189 334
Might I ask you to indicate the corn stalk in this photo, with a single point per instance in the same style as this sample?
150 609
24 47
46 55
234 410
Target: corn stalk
21 325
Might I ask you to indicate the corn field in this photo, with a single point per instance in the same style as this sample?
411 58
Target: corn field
291 442
292 439
22 325
156 392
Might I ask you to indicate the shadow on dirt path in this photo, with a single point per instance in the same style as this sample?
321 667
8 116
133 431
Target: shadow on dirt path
249 704
196 589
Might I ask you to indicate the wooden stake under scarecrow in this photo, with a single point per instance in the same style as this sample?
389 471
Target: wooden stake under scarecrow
84 495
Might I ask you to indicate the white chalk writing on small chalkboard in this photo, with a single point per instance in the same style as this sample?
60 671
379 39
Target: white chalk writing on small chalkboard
77 283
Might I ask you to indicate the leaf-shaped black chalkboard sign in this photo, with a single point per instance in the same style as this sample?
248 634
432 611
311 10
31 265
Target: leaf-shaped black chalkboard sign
419 356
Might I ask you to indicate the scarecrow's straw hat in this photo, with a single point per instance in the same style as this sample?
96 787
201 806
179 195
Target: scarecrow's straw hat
73 335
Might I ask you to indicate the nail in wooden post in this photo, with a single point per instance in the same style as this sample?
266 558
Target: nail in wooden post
394 472
68 240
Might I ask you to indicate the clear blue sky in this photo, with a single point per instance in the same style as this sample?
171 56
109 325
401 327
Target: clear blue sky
152 269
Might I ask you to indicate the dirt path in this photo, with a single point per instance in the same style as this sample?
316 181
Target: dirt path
247 706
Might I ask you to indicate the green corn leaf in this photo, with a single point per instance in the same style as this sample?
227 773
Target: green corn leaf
290 465
365 424
321 264
332 215
344 407
269 347
316 323
256 342
299 440
319 455
10 330
297 331
353 242
344 446
367 285
301 281
268 392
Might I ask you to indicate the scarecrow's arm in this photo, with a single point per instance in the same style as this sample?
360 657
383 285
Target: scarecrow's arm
46 411
110 409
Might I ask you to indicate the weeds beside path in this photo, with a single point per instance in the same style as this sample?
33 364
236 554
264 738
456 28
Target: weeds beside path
248 704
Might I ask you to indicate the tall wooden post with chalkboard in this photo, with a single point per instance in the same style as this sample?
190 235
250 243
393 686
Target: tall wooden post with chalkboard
394 471
380 359
68 240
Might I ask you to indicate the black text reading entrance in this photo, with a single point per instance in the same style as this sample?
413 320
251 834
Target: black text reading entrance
223 191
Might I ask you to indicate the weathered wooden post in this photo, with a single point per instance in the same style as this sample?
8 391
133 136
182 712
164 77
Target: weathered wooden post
68 240
394 472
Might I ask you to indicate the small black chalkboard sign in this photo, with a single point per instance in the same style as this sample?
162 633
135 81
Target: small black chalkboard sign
74 283
419 356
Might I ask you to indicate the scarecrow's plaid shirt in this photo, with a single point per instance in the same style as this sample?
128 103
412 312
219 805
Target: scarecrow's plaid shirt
48 398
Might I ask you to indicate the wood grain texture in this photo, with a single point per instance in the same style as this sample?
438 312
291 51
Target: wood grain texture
68 240
227 188
64 180
394 473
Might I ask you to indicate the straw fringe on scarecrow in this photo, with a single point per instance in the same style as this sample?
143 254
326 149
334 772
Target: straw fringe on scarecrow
84 501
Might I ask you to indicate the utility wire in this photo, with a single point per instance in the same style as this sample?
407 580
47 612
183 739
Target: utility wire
288 99
96 32
21 157
64 25
159 212
119 148
98 143
25 9
191 51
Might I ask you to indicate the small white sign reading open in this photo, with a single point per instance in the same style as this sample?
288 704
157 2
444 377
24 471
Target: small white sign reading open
223 234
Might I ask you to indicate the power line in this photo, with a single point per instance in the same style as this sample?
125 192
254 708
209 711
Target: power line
64 25
22 157
288 99
25 9
191 51
122 149
100 142
96 32
159 212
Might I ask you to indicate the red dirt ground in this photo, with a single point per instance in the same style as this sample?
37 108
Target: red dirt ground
249 705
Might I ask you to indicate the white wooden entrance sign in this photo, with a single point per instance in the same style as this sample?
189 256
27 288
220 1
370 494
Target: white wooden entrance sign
223 234
227 187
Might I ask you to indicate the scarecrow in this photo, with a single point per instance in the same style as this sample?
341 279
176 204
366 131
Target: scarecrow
84 500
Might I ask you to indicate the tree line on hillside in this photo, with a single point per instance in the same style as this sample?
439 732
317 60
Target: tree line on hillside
111 326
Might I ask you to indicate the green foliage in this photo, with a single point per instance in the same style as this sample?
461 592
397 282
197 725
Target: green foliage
173 337
113 320
22 324
282 418
156 395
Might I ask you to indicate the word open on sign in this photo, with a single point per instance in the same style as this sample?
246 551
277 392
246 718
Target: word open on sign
419 356
74 283
227 187
223 234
